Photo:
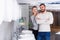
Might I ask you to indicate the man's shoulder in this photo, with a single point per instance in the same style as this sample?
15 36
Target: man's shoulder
49 12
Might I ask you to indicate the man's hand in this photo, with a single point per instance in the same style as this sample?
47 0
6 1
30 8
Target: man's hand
47 19
38 18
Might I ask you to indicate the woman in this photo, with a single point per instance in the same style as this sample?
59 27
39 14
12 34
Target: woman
35 26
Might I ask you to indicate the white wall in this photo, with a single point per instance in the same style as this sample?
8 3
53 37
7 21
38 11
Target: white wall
6 30
25 14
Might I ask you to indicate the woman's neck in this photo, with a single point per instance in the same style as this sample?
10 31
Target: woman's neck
35 14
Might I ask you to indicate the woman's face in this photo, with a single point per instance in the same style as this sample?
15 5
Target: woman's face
34 10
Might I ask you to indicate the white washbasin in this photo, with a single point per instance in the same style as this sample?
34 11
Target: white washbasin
27 31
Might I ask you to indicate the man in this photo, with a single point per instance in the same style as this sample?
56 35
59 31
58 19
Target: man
35 26
44 19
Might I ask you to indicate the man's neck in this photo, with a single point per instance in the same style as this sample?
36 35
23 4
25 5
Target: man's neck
43 12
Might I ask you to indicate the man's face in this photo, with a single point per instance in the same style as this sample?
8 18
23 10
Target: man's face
43 8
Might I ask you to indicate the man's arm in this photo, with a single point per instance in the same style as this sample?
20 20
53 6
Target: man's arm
39 21
50 19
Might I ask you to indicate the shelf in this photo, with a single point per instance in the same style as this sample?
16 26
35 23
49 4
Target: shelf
55 28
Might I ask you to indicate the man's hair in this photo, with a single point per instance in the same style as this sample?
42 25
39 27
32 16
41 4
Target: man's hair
42 4
34 7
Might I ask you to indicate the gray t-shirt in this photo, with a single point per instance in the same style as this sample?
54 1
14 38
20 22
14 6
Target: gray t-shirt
35 25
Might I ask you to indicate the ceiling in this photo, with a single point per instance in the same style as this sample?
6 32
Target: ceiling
51 4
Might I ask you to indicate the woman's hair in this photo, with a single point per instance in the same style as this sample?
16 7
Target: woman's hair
34 7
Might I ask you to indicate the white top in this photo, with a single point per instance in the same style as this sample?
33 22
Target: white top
44 20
